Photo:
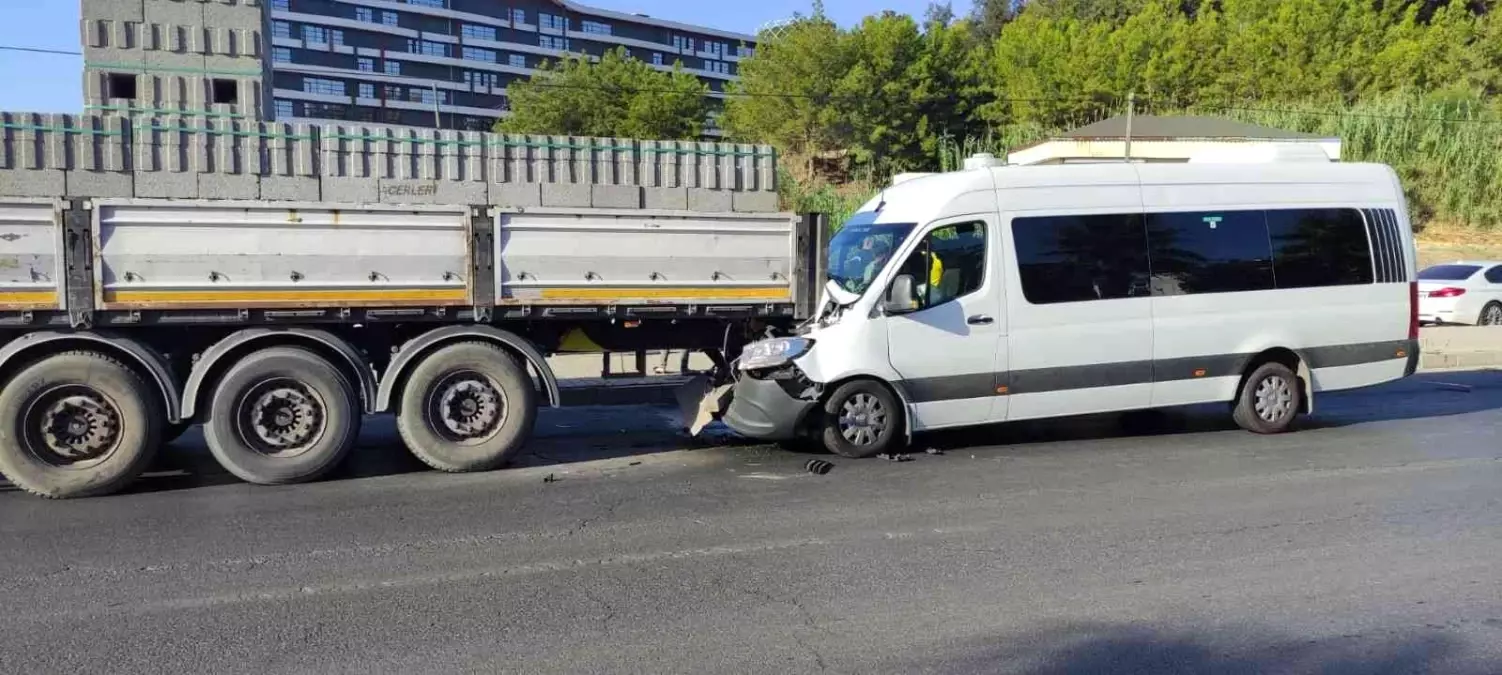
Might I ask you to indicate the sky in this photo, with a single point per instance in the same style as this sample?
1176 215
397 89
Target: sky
52 83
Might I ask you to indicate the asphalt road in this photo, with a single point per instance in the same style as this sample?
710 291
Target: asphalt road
1368 542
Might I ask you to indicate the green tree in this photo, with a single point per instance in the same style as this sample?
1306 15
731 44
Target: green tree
618 96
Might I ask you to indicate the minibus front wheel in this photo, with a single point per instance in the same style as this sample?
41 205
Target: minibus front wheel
862 418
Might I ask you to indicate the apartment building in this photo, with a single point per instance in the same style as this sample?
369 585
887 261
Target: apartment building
448 62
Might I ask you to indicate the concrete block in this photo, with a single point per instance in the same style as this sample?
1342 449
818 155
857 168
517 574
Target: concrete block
32 183
222 15
118 184
665 198
350 190
228 186
169 59
166 184
447 192
114 10
710 201
566 194
290 188
615 196
754 202
173 12
516 195
243 68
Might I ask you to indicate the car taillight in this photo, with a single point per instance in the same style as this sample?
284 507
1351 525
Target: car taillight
1413 310
1447 292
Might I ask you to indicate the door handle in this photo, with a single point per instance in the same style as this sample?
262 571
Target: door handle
980 320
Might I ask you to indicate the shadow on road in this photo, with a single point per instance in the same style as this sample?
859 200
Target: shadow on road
1123 650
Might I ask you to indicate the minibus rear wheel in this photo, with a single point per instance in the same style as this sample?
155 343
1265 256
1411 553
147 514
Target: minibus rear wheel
861 419
1270 399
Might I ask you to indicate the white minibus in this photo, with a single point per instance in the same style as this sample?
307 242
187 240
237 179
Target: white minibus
1003 293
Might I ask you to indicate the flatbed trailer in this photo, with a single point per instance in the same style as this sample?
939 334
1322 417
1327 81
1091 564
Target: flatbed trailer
279 325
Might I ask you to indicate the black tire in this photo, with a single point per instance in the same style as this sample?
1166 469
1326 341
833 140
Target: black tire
1270 400
172 431
1491 315
115 420
282 415
467 407
861 419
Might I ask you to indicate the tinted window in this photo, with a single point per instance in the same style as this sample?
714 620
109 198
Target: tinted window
948 263
1319 247
1079 258
1448 272
1494 275
1209 252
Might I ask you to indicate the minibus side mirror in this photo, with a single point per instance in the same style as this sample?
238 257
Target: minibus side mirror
900 298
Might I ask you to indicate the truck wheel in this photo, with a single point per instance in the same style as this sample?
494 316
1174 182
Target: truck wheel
467 407
77 424
861 420
282 415
1269 401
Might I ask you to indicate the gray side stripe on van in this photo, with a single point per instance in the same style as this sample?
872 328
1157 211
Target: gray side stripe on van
1041 380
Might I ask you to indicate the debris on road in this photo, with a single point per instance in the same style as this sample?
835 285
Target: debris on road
934 451
818 466
895 457
550 478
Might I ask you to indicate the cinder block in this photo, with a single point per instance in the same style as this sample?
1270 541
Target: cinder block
173 12
32 183
243 68
566 194
290 188
665 198
710 201
754 202
166 184
396 191
516 195
223 15
350 190
228 186
615 196
114 10
101 184
166 59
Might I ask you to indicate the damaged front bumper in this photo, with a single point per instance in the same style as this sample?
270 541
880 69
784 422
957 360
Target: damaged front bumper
768 409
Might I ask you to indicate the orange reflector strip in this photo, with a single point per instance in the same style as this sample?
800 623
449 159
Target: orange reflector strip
323 295
1402 353
1001 390
1199 372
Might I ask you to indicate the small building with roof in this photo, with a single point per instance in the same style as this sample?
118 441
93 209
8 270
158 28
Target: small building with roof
1166 139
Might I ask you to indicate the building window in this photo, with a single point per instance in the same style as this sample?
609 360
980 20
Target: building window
315 34
551 22
337 37
717 67
367 90
595 27
392 67
282 109
424 95
551 42
335 111
1319 247
478 124
281 29
683 44
1080 258
391 116
960 267
388 18
366 65
281 55
473 32
281 5
427 3
715 49
318 85
477 54
518 16
746 51
482 79
427 47
391 91
362 115
365 14
517 61
657 58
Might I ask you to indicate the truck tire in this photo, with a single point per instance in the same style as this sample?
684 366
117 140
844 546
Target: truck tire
1269 400
77 424
282 415
861 419
467 407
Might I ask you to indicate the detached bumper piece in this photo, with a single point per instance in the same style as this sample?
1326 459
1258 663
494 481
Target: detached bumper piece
763 409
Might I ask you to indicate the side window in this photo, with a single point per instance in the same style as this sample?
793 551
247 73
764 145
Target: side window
1081 258
1209 252
1494 275
949 263
1319 247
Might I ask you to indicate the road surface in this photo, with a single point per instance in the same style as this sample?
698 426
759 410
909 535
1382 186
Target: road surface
1368 542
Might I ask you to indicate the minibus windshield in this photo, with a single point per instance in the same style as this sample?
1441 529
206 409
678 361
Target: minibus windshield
861 248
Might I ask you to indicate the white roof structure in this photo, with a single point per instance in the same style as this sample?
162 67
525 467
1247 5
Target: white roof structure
1169 139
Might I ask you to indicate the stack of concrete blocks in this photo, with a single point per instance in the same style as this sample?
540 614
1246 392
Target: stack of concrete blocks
175 49
401 165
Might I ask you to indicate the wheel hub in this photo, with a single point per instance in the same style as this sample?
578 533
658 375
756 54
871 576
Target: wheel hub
470 406
284 417
1274 398
79 427
862 419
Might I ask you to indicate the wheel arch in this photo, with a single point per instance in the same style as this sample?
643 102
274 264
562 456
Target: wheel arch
412 353
219 358
894 387
32 347
1293 359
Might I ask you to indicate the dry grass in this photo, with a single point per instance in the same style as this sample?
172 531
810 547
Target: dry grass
1444 242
